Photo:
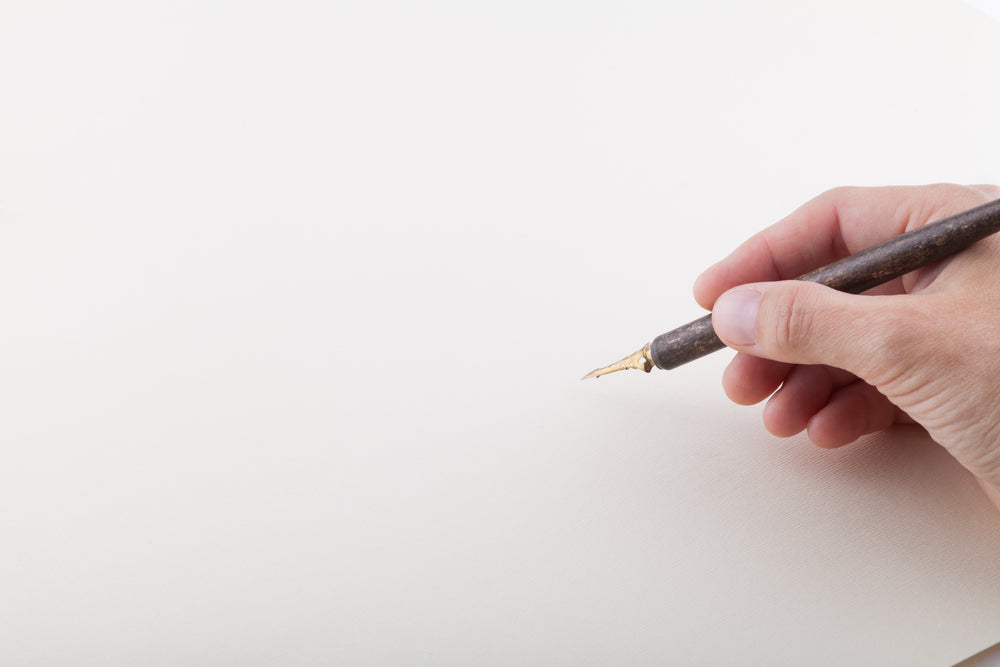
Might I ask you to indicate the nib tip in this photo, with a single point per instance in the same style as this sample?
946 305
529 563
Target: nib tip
640 360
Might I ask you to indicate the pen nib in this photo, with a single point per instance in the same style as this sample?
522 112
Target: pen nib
641 361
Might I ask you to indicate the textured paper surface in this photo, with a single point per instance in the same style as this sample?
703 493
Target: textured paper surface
295 298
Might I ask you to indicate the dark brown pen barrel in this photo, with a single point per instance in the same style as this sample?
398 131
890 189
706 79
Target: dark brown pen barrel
686 343
857 273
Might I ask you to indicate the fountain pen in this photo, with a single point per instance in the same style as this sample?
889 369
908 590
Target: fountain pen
854 274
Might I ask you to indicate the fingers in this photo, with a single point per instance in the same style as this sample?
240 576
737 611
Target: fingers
804 323
804 394
831 404
749 380
777 252
837 223
851 412
841 366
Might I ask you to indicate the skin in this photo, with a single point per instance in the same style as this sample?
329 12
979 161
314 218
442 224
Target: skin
924 348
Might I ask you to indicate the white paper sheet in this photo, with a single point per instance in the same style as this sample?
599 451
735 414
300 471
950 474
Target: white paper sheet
295 298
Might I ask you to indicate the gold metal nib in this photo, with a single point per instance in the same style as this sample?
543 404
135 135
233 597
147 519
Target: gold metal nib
641 361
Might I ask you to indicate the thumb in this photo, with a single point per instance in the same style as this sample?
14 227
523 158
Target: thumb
806 323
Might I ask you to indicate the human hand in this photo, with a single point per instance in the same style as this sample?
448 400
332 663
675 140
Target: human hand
923 348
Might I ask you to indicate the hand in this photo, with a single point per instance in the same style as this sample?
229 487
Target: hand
924 348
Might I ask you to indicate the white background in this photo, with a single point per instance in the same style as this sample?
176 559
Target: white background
294 300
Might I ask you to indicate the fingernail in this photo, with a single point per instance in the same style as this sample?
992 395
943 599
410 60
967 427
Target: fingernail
735 316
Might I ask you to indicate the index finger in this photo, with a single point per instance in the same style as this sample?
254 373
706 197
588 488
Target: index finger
837 223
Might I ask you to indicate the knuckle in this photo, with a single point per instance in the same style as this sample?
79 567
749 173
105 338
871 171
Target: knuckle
841 193
789 321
